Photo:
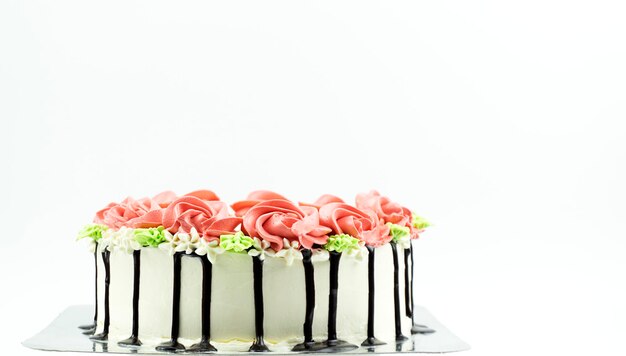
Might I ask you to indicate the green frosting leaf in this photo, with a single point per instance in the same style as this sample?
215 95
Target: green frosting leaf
236 243
341 243
153 236
92 231
419 222
398 232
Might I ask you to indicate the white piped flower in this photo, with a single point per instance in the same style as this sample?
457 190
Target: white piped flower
125 241
359 253
404 242
210 249
319 255
290 251
261 249
186 241
107 242
169 245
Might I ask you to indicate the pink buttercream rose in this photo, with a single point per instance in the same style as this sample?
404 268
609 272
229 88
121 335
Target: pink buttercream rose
323 200
165 198
210 218
241 207
364 225
132 213
273 220
389 211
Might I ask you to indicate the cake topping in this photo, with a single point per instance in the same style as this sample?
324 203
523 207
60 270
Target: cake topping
346 219
275 220
210 218
241 207
144 212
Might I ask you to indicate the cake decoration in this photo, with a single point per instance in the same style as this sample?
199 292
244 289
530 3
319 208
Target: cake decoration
264 225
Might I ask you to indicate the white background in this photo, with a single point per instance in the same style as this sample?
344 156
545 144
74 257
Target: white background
499 121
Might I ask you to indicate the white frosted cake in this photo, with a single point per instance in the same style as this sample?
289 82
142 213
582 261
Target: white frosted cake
191 273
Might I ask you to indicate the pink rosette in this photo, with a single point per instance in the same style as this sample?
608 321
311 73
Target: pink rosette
364 225
323 200
209 217
241 207
273 220
389 211
165 198
131 213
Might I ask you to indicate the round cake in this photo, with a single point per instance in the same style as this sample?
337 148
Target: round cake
191 273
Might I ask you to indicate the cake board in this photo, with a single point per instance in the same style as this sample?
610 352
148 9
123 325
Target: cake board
63 335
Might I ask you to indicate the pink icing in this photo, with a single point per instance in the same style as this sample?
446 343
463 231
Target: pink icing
209 217
323 200
241 207
387 210
133 213
273 220
364 225
390 212
165 198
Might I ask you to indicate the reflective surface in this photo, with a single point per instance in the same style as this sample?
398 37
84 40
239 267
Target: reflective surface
63 334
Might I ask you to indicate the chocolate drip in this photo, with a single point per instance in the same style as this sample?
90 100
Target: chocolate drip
173 345
407 288
416 328
396 293
207 276
310 302
104 335
91 328
371 339
333 344
133 340
257 270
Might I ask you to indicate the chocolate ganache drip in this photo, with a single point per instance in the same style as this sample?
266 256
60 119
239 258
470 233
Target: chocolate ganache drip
407 285
416 328
207 277
104 335
133 340
90 329
257 270
173 345
333 344
310 302
396 293
371 339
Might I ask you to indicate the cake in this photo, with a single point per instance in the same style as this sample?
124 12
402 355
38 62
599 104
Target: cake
191 273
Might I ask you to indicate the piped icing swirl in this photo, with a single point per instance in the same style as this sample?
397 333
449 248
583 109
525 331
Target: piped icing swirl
210 218
275 220
241 207
364 225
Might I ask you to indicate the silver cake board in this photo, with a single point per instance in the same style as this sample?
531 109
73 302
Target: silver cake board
63 335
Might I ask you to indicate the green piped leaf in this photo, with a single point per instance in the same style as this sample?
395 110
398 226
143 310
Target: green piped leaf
398 232
153 236
92 231
237 242
341 243
419 222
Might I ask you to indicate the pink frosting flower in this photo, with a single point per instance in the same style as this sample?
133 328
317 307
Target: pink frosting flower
165 198
364 225
131 213
209 217
241 207
273 220
323 200
389 211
